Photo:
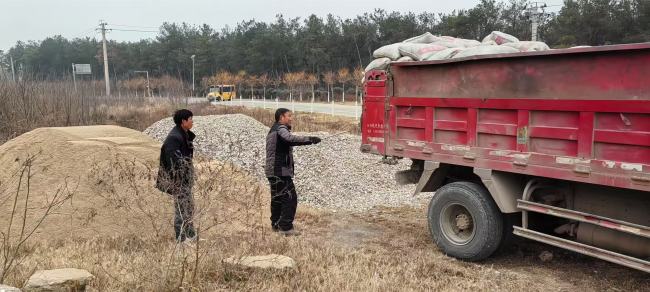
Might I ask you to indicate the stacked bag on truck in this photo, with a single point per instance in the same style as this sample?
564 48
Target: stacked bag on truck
428 47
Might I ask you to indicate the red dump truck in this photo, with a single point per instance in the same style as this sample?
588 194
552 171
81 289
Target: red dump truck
553 146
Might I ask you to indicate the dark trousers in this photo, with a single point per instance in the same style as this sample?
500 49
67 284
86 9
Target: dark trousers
183 215
284 201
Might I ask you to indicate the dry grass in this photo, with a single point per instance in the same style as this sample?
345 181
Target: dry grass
385 250
30 104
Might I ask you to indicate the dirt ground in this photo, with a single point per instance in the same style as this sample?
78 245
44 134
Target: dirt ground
118 227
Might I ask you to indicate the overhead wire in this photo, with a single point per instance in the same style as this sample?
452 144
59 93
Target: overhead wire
134 30
133 26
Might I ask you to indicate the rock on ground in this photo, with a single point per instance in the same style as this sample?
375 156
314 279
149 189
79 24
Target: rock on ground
546 256
272 261
58 280
333 174
4 288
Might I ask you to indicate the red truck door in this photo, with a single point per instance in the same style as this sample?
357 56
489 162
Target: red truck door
374 133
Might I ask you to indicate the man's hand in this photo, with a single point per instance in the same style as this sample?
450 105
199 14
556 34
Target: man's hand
314 140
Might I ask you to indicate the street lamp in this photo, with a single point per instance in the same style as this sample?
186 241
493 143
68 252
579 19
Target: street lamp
193 56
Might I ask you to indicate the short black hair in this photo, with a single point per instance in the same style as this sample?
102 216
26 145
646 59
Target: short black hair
279 112
182 115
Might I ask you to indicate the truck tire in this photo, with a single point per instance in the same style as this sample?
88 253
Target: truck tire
464 221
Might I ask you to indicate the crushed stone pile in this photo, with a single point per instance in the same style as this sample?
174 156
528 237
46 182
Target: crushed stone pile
333 175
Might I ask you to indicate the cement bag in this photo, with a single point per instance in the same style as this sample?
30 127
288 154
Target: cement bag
500 38
485 50
444 54
388 51
419 51
425 38
378 64
405 59
458 43
470 43
528 46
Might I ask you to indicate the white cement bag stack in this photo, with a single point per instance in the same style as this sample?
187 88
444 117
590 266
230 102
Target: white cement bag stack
428 47
500 38
485 50
527 46
378 64
458 43
419 51
405 59
444 54
425 38
389 51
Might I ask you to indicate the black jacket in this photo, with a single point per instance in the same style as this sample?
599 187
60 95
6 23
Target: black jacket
176 172
279 150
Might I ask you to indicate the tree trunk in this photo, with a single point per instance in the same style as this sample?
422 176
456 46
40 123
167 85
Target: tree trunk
312 93
343 98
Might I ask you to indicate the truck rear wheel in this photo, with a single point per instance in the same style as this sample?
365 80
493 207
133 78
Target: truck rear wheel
465 222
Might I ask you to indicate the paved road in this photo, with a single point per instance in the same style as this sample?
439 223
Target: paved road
336 109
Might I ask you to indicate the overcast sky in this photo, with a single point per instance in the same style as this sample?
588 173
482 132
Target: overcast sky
37 19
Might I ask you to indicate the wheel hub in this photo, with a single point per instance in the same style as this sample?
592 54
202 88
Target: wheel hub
457 224
463 221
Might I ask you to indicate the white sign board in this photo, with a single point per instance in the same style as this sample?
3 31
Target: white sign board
82 69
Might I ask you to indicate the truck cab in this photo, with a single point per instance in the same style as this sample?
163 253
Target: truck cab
221 93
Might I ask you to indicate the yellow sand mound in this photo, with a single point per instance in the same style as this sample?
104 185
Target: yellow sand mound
108 172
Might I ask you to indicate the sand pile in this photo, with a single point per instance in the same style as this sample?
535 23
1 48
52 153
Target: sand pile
108 173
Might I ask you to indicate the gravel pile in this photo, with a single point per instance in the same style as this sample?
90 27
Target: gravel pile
333 174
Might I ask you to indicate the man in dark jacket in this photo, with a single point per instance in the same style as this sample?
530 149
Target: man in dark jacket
176 173
279 171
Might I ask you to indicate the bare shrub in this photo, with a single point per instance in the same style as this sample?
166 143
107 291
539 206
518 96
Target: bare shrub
30 103
26 214
228 202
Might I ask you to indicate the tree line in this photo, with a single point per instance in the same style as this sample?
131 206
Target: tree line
318 47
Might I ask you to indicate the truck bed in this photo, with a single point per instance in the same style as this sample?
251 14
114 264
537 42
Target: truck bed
573 114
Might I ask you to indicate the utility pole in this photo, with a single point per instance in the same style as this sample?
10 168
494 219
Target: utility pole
13 70
535 10
74 77
193 56
106 76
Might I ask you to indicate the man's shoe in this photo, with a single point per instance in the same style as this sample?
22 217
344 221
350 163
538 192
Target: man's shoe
290 232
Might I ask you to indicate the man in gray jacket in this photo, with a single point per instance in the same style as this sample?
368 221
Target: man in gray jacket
279 171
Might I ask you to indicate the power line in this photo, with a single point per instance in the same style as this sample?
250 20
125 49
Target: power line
134 26
135 30
85 33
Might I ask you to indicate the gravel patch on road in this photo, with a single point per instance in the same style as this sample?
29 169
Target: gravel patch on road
333 175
